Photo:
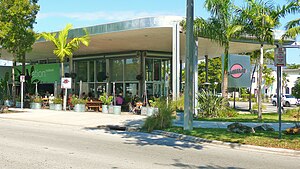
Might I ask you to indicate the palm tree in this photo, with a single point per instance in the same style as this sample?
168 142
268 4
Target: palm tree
293 27
63 47
221 27
260 18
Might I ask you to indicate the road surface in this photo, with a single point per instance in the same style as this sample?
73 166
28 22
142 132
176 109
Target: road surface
39 145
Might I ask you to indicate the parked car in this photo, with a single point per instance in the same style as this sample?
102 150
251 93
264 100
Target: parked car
287 100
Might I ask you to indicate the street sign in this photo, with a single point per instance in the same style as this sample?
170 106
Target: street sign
22 78
280 56
66 83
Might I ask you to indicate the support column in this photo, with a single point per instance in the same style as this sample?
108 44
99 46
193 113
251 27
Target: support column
206 68
195 90
176 62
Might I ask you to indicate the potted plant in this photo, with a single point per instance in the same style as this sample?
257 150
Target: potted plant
36 103
153 107
57 104
106 100
79 104
18 102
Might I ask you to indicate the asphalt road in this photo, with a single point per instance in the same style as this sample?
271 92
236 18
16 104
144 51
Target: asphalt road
269 107
36 145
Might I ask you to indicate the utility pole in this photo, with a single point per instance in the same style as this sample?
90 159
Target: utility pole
189 68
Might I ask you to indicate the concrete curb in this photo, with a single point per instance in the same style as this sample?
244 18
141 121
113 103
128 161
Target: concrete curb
227 144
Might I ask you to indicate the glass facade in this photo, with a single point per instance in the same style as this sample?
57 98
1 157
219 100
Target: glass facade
123 74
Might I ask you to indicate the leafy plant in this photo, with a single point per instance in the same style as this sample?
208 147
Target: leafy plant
160 120
153 102
57 100
75 100
105 99
178 104
37 99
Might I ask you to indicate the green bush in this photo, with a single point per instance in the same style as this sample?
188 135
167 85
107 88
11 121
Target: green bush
75 100
105 99
37 99
57 100
245 96
178 104
160 120
255 107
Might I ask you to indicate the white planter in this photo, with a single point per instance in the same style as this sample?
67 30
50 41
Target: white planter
35 105
8 103
79 108
117 110
51 106
111 109
57 107
104 109
18 104
151 111
179 116
144 111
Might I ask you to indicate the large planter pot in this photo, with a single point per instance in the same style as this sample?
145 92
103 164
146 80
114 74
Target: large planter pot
117 110
110 109
18 104
144 111
179 116
104 109
35 105
51 106
79 108
8 103
57 107
151 111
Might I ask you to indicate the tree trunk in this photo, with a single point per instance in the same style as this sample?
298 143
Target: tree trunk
251 81
259 84
13 88
62 69
225 74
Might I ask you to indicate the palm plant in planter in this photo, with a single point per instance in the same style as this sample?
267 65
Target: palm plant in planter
57 103
36 103
106 100
79 104
153 107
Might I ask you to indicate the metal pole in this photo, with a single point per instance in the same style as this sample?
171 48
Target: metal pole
55 89
22 94
189 60
279 97
206 68
80 89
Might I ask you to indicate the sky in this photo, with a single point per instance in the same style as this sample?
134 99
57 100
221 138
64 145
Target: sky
55 14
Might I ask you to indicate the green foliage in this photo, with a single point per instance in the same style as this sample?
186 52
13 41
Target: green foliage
178 104
37 99
268 76
293 66
153 102
213 106
255 107
160 120
76 100
105 99
3 86
57 100
296 89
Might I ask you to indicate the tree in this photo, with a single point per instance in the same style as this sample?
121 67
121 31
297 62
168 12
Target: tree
293 27
63 48
296 89
214 71
222 27
260 18
267 76
16 29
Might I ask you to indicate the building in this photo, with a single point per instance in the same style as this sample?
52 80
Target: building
135 56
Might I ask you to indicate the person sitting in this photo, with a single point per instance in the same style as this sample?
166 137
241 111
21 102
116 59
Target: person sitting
119 100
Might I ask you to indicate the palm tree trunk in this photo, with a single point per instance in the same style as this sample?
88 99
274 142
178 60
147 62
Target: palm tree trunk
13 88
225 74
62 69
259 84
251 81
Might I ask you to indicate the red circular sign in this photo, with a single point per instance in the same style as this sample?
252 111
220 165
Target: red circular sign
236 71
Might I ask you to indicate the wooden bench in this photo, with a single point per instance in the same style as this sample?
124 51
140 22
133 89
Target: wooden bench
94 105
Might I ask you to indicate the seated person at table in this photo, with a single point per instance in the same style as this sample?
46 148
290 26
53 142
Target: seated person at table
119 100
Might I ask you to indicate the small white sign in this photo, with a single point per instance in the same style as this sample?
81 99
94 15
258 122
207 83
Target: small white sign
66 83
22 78
280 56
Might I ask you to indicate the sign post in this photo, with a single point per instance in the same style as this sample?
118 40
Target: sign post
280 60
22 80
66 83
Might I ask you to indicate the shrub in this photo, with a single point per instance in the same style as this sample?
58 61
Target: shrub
75 100
160 120
178 104
105 99
37 99
255 107
57 100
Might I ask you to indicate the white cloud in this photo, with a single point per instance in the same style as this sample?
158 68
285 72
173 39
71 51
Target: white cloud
108 16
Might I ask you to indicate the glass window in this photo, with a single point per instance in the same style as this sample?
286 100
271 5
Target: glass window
118 88
149 69
132 68
101 70
157 69
116 70
131 89
91 71
81 71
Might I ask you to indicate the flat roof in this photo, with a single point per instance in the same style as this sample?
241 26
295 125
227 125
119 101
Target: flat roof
149 34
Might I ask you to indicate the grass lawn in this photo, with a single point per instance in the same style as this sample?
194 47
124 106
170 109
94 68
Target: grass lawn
267 118
266 139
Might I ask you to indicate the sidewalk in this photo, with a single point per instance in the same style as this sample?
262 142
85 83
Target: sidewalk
81 119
